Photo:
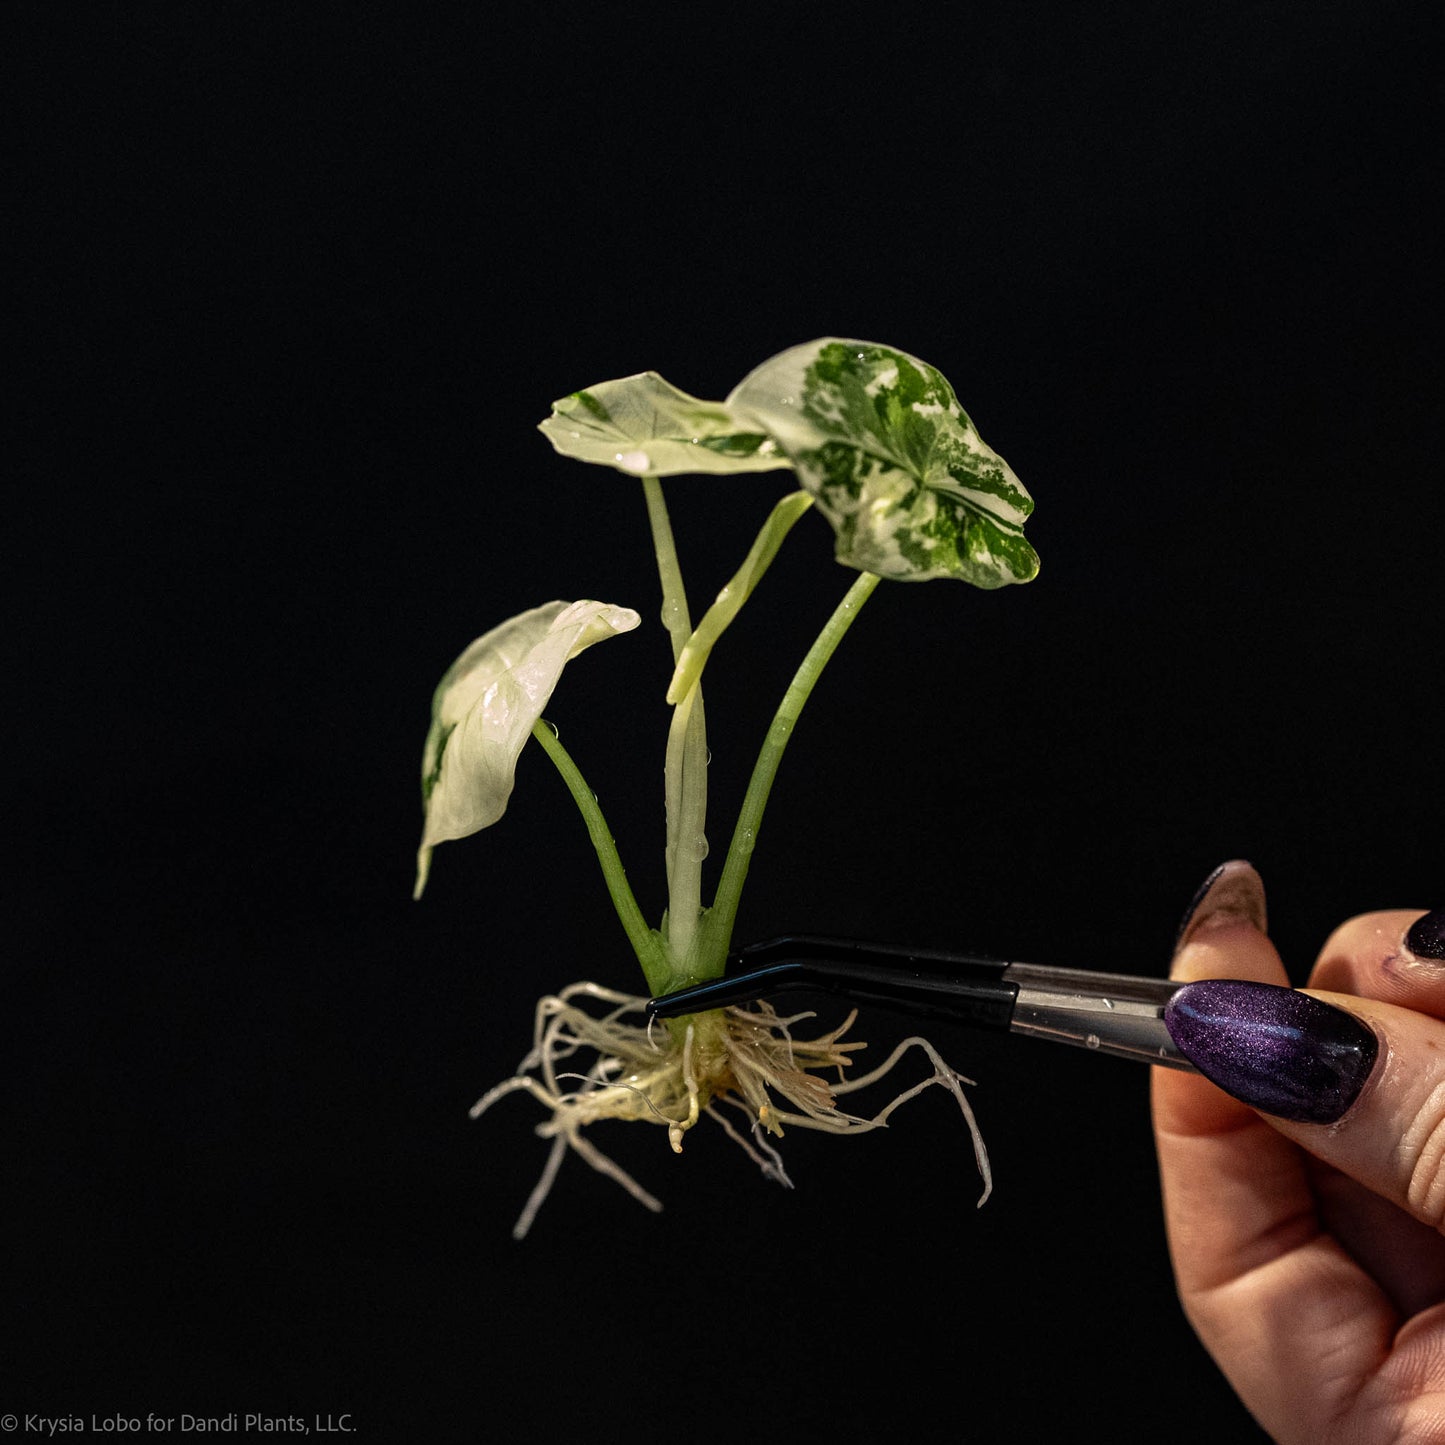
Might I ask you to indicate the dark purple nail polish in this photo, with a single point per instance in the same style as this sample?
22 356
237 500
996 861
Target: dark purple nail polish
1233 893
1273 1048
1426 938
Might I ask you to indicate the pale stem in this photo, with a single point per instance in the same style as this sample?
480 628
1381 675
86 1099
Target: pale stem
686 766
729 602
674 595
644 941
745 835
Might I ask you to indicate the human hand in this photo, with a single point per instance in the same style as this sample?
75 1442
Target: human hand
1309 1255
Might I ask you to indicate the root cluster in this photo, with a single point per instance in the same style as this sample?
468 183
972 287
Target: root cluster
591 1059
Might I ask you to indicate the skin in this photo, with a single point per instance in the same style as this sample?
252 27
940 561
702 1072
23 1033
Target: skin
1309 1258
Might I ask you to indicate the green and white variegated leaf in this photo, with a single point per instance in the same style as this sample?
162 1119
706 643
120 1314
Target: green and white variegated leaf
484 708
896 466
646 427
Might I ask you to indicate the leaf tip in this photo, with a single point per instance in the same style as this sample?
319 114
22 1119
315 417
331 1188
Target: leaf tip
423 868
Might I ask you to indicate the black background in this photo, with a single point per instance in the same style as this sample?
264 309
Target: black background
296 288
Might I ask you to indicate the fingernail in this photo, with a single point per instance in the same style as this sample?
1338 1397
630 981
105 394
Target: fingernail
1273 1048
1233 893
1426 937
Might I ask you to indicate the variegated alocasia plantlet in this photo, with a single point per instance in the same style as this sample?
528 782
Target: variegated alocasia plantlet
881 448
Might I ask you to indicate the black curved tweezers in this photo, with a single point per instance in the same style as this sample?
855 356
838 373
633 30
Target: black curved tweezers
1110 1013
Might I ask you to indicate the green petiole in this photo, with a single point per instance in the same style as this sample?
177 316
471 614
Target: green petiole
645 943
745 834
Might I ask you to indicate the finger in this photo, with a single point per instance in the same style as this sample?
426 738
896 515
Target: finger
1403 1256
1387 956
1384 956
1264 1287
1222 936
1391 1137
1229 1180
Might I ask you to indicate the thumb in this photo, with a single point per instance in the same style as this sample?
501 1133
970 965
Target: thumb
1357 1082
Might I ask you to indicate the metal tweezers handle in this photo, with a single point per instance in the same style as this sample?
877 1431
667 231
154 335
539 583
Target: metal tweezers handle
1113 1013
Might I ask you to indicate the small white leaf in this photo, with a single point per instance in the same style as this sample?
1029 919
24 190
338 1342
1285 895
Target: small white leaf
485 706
646 427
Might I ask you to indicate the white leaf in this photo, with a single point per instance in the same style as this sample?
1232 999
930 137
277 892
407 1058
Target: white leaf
645 426
484 709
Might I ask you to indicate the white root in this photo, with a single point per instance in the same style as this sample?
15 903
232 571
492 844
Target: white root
540 1190
746 1058
689 1082
757 1149
949 1078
